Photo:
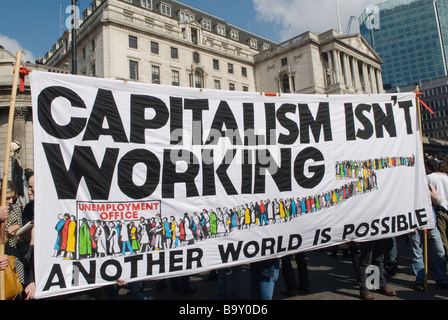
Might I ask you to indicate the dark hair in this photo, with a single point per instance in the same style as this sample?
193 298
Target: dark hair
443 167
431 164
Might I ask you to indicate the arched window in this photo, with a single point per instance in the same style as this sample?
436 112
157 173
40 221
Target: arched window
285 84
198 79
195 57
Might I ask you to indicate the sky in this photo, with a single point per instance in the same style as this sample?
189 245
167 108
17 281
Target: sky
33 26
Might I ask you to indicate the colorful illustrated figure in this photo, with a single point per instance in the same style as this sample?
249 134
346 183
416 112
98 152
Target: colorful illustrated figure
100 239
135 244
188 228
71 239
59 227
64 235
213 224
200 235
175 231
85 243
92 238
143 234
114 244
246 216
276 210
124 238
167 235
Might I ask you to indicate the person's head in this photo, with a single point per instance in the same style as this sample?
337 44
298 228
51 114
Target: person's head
430 165
11 193
31 187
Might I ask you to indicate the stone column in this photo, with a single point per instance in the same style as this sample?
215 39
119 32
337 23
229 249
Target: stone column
373 79
337 66
365 78
291 89
355 73
348 80
380 81
330 66
19 130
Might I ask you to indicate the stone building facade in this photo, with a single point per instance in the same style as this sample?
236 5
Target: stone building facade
169 43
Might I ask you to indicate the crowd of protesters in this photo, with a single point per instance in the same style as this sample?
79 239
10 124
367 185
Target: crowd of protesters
19 211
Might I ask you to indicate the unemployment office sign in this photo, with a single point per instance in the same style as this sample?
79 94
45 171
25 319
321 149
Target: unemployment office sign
138 181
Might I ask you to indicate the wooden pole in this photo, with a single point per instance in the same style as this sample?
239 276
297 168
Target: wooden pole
6 165
425 233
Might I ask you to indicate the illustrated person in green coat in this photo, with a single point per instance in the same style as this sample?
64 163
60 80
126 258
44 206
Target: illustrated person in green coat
85 244
213 223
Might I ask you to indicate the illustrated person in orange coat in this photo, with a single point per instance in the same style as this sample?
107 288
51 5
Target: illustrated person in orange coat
71 238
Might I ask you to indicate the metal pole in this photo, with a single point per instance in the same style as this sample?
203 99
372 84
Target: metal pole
339 17
74 30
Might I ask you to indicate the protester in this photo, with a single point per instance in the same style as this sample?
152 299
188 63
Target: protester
4 214
391 256
16 246
263 276
441 208
302 274
372 253
233 281
135 290
28 216
438 181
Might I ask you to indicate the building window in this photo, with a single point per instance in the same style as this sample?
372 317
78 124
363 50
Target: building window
288 85
206 24
230 68
221 30
174 77
133 42
174 53
198 81
231 86
245 88
147 4
154 47
165 9
216 64
133 70
253 43
93 69
244 72
194 35
83 53
155 70
217 85
195 57
284 62
93 45
186 17
234 35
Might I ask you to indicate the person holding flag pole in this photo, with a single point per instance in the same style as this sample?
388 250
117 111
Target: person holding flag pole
6 168
420 263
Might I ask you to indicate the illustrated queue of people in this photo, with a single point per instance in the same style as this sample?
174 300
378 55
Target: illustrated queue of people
101 238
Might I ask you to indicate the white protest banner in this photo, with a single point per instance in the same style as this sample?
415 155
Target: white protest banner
137 181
